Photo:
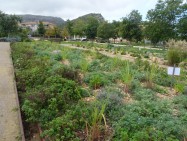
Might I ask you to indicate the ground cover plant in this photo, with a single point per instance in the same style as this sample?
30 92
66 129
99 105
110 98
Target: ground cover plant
71 94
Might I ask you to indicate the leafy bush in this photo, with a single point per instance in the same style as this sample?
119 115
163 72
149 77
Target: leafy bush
144 94
140 122
96 80
127 77
150 74
57 57
179 87
177 51
174 56
113 99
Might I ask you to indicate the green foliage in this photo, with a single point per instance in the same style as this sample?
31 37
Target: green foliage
57 57
96 80
113 99
140 122
127 77
163 20
41 28
47 90
91 28
93 129
179 87
143 94
105 31
8 24
130 26
173 56
150 74
53 95
84 65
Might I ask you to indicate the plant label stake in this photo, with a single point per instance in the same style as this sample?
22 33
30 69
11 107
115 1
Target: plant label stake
173 71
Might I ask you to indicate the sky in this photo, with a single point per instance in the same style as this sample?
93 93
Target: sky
71 9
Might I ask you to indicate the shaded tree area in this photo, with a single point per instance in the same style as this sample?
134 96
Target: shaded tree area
53 32
166 21
91 28
106 30
130 27
41 29
8 24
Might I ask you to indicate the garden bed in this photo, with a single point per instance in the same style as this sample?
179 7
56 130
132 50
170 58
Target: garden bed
75 94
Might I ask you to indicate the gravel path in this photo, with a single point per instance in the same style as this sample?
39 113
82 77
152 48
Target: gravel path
110 54
10 121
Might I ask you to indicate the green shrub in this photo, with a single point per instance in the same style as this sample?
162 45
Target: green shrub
113 99
150 74
177 51
96 80
174 56
127 77
144 94
57 57
179 87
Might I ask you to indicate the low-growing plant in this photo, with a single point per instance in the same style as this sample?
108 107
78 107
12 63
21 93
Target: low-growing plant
84 65
179 87
97 80
94 129
150 74
127 77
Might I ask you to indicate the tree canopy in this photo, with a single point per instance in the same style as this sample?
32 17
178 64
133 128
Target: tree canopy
130 26
41 28
106 30
8 24
91 28
166 21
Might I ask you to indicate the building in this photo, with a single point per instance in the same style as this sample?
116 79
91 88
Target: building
33 26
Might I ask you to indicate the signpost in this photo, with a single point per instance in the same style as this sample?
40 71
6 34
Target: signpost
174 71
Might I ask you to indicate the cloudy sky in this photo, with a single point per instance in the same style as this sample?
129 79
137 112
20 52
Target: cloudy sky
71 9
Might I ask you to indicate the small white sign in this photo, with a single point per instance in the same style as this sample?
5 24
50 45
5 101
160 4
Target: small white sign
171 71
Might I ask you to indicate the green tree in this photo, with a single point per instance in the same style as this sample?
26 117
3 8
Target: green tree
69 27
41 28
131 26
91 28
182 24
116 28
106 30
79 28
65 33
163 20
8 24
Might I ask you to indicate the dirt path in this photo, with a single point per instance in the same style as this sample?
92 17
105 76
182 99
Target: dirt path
110 54
10 121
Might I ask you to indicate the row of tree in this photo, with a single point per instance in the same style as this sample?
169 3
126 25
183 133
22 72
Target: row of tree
168 20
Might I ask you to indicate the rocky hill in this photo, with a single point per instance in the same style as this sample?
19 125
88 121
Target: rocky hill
36 18
59 21
85 18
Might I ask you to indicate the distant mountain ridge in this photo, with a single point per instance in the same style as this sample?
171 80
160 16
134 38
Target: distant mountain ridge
58 20
36 18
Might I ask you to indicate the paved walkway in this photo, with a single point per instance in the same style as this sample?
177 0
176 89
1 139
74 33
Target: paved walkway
10 121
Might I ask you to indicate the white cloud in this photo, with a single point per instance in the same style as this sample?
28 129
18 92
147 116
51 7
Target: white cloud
70 9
